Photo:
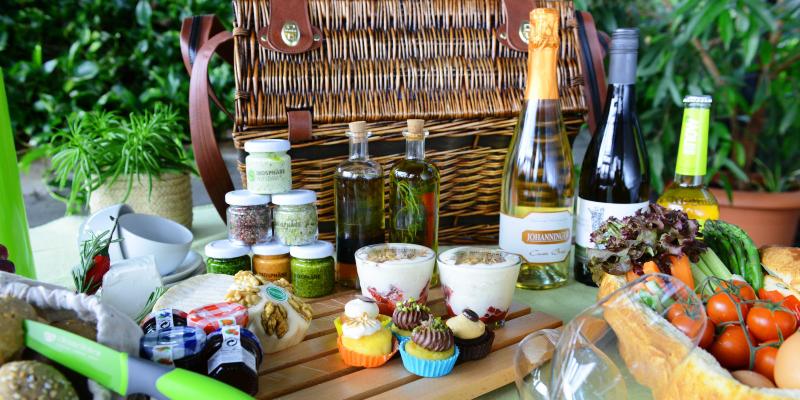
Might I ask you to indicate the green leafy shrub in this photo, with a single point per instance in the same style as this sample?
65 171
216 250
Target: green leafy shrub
65 56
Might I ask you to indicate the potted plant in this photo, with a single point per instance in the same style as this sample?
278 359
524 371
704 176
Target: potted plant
745 55
103 159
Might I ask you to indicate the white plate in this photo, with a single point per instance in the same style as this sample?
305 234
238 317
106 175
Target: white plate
191 264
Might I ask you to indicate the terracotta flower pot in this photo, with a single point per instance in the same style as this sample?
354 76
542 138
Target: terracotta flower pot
769 218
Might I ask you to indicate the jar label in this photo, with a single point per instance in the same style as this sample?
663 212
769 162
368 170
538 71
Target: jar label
265 176
274 293
223 322
539 237
163 354
164 319
231 350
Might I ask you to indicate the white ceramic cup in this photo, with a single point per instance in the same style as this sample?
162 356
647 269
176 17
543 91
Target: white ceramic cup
166 240
480 279
392 281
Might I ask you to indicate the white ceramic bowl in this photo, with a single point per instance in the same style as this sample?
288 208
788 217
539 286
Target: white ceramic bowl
480 279
167 240
391 281
100 222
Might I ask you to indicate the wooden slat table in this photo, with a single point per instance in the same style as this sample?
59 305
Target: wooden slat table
314 369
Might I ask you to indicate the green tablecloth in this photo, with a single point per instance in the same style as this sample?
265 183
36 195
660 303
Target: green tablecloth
55 252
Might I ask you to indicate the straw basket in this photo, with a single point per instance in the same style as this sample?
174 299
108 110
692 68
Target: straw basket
305 68
171 197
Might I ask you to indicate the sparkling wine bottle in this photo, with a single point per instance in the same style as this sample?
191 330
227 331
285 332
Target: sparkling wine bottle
615 180
537 194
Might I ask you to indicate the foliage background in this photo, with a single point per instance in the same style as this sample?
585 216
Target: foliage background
61 56
123 55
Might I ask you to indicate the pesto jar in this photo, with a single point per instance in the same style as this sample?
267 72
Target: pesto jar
268 167
227 258
312 269
295 217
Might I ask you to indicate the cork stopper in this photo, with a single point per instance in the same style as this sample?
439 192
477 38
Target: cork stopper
358 129
416 129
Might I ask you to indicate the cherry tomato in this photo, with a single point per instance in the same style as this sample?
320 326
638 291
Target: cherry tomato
708 335
741 289
731 348
721 307
764 323
770 295
792 303
691 328
765 361
675 310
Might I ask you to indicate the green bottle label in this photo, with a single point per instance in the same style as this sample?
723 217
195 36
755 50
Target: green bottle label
693 147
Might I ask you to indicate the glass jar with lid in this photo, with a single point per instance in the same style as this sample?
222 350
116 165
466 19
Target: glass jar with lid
312 269
224 257
268 167
295 217
249 217
272 261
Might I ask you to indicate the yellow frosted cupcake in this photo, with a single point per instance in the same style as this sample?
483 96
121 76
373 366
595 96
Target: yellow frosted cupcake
355 308
365 342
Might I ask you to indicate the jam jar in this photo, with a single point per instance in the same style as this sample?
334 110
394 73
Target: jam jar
181 346
164 318
234 355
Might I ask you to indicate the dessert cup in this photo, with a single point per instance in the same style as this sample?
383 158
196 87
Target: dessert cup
479 279
393 272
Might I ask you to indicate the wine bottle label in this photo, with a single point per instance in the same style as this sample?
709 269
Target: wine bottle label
539 237
693 147
591 214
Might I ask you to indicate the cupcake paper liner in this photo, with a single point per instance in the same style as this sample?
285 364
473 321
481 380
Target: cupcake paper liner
427 368
356 359
475 349
385 323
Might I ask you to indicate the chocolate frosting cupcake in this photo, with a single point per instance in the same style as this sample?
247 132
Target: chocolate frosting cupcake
409 314
433 335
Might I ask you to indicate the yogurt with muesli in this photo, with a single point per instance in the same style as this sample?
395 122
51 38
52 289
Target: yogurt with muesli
393 272
480 279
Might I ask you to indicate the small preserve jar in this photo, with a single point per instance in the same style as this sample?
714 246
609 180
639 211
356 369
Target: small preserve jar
295 217
234 355
272 261
181 346
269 168
164 318
249 217
225 257
313 269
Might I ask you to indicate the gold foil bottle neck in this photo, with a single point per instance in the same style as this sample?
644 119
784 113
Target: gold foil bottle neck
543 42
544 31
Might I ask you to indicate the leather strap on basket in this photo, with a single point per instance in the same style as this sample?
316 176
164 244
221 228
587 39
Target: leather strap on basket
299 125
289 29
592 52
195 32
206 151
514 32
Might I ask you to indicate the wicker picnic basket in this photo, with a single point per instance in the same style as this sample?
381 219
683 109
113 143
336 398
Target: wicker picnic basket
304 69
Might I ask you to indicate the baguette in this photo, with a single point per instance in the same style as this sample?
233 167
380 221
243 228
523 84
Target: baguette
654 350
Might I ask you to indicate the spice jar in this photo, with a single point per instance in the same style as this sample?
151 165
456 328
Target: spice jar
269 168
249 217
295 217
312 269
181 346
234 355
271 260
227 258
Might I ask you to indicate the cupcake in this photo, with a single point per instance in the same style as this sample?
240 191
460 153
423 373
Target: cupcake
408 315
354 309
365 342
474 341
431 351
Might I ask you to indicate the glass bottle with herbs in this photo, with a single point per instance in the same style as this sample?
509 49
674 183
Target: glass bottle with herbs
358 194
414 194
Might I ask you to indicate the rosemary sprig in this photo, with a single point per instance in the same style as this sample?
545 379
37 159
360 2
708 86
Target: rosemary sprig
94 246
151 301
411 209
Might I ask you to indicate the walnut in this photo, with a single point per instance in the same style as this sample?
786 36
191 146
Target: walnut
274 320
301 308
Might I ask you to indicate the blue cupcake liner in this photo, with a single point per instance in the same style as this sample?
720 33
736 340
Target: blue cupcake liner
427 368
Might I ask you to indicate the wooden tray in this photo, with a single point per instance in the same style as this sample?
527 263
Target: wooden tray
313 369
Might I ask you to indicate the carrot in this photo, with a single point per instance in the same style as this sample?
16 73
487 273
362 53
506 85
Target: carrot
630 276
682 269
650 267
